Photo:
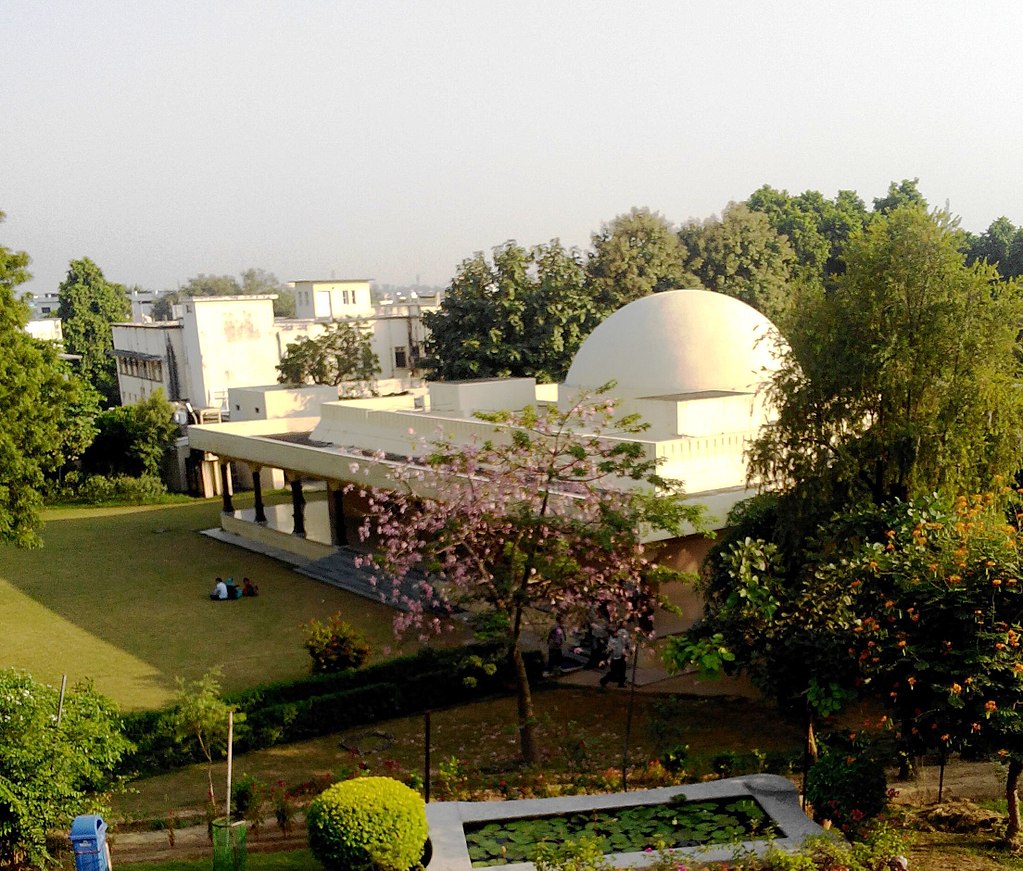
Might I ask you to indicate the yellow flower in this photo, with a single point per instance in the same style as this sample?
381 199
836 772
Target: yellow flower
990 707
956 689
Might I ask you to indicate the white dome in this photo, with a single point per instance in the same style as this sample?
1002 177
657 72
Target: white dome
679 341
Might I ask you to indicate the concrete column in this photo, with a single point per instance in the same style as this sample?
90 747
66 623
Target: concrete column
298 506
257 489
336 511
225 485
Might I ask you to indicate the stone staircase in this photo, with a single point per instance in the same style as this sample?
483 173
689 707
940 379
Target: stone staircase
340 570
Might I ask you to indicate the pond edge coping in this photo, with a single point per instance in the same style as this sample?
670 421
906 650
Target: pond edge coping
775 794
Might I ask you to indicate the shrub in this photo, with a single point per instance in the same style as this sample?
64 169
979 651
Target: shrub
370 823
100 489
335 645
848 787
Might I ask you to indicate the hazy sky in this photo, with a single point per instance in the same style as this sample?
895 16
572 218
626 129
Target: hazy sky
392 140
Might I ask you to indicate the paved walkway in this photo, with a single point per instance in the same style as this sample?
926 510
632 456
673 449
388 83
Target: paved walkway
650 676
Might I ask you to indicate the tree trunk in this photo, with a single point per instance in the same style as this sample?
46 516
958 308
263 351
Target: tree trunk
527 721
1012 799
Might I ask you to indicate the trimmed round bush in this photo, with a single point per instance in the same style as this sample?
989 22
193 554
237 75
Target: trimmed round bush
368 824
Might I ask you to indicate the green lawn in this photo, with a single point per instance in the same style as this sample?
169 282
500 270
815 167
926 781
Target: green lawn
297 860
120 595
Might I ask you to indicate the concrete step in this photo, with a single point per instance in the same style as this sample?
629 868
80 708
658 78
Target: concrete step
341 570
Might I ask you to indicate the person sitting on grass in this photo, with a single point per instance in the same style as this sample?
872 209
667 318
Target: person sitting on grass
249 588
233 591
219 590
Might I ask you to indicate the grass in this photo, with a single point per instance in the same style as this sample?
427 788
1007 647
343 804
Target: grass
579 734
119 595
296 860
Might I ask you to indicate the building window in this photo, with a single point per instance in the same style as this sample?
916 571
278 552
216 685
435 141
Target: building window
344 296
400 357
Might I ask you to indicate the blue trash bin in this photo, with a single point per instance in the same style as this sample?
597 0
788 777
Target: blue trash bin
89 842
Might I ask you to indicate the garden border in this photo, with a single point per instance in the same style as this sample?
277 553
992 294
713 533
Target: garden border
776 795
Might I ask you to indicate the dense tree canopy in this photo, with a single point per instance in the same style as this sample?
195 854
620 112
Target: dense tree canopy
902 381
132 439
904 193
36 398
253 282
634 255
817 228
521 313
341 355
740 254
51 770
89 304
1001 245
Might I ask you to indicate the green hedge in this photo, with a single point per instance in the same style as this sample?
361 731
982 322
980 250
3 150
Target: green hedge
281 713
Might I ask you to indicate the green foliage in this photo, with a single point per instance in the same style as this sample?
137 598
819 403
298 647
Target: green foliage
253 282
103 490
900 382
202 715
817 228
247 791
678 823
524 313
634 255
89 304
741 255
579 854
36 407
1001 245
943 637
341 355
132 439
902 194
368 824
847 786
50 772
335 645
324 703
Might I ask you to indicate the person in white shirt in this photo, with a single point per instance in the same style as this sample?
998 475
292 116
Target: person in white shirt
219 590
618 649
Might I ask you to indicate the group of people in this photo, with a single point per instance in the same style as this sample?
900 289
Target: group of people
230 590
611 650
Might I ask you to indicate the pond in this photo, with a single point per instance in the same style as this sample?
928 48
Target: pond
678 823
749 813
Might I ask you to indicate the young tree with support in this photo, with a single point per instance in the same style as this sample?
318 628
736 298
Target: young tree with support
547 513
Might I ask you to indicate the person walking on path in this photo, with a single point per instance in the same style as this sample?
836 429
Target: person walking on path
555 647
618 649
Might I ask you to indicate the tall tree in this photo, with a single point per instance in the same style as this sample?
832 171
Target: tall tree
636 254
1001 245
259 281
342 355
816 227
740 254
525 520
89 304
903 193
253 282
35 398
903 381
523 313
132 439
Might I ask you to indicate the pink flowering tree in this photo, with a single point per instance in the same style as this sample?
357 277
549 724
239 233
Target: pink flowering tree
548 513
